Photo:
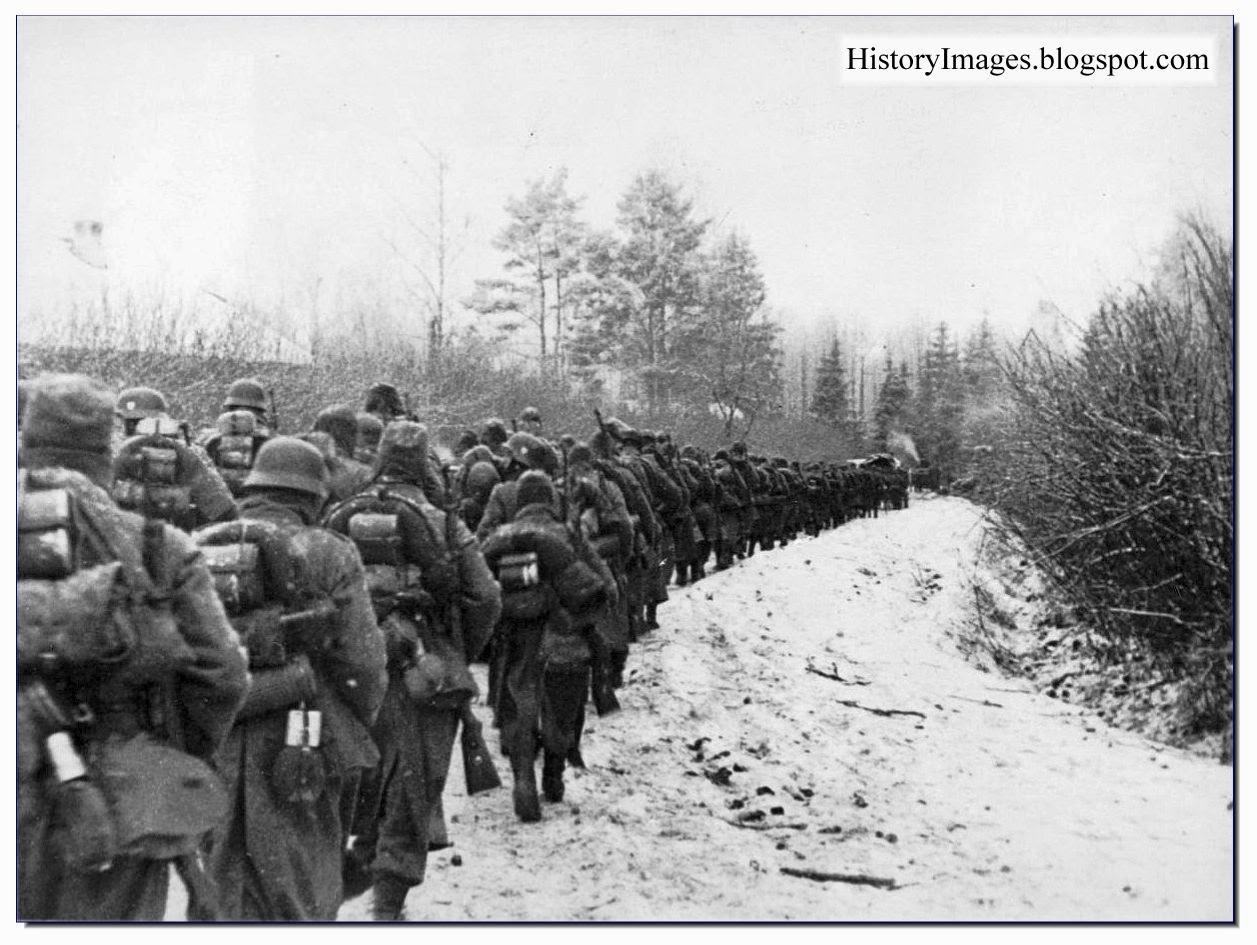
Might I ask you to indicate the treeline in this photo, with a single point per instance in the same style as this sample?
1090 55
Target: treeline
670 315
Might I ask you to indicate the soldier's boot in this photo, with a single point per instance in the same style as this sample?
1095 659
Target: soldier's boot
697 570
552 778
681 569
355 870
524 793
723 558
616 676
389 898
651 622
523 767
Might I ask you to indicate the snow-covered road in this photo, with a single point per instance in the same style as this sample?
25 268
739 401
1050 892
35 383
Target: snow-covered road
988 801
972 796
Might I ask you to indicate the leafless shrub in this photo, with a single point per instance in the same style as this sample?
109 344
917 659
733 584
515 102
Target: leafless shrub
1117 468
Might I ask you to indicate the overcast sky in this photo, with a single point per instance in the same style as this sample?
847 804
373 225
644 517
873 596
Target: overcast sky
254 157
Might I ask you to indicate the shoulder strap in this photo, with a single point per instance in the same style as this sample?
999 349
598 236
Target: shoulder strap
155 556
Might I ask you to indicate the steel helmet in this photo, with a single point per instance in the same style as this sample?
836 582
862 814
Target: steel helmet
246 392
285 462
136 403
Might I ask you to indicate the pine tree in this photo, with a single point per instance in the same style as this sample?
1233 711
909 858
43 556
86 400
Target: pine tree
830 401
660 255
981 370
724 349
940 402
892 403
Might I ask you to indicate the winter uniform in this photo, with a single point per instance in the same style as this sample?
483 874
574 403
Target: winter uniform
553 584
293 750
437 603
165 696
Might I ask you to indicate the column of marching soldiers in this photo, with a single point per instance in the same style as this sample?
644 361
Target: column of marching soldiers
246 654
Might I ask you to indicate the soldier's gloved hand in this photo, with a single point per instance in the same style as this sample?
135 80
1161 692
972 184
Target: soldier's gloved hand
263 636
401 639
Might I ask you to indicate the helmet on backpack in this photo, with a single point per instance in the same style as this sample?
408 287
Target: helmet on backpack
246 393
288 463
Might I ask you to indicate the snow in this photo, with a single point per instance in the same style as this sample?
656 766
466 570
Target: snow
980 797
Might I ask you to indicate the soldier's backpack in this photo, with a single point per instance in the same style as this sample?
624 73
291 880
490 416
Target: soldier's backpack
413 581
405 559
240 436
255 570
152 476
96 626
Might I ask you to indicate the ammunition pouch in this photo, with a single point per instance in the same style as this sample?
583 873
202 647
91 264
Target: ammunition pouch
439 681
531 603
564 649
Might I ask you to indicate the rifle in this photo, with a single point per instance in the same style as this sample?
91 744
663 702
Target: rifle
270 394
479 773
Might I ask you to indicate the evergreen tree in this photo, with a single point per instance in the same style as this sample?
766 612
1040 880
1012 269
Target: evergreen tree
981 369
724 350
939 411
830 400
892 403
660 255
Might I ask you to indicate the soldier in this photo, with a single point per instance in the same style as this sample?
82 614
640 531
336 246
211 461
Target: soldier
159 472
680 520
526 452
347 474
596 506
369 429
115 728
704 504
240 432
666 501
385 402
493 435
297 595
637 572
477 476
553 584
734 502
437 604
138 403
530 421
753 516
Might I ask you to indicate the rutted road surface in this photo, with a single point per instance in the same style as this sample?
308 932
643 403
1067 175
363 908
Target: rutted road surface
961 794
